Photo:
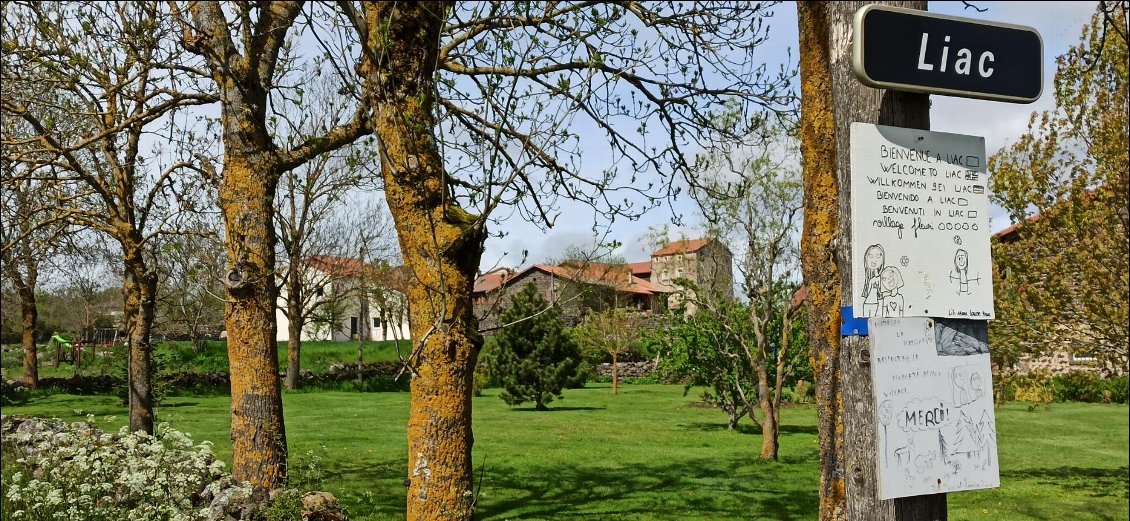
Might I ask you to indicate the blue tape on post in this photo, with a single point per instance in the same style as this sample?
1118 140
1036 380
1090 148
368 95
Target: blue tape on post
851 326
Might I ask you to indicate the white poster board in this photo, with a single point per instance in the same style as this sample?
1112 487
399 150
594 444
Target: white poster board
920 224
933 406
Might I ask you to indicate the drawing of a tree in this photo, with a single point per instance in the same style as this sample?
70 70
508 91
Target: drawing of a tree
943 448
886 412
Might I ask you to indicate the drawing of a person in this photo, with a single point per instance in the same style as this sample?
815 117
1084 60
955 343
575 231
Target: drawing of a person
960 272
891 301
960 393
873 261
976 388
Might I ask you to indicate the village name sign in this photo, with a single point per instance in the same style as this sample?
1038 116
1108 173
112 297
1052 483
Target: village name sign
918 51
921 267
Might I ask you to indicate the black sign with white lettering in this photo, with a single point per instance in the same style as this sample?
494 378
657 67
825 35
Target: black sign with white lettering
918 51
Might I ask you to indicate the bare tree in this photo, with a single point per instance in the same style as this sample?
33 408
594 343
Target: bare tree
310 201
753 198
190 298
30 236
479 106
113 71
248 54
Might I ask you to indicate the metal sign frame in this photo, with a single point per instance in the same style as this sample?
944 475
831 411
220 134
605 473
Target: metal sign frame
861 73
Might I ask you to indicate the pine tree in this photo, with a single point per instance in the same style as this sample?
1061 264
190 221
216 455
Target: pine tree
534 358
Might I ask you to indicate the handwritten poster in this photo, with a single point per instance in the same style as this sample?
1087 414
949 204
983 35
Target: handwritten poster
934 406
920 224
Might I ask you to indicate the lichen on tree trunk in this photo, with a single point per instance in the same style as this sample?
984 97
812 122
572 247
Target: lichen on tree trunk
832 98
821 227
441 246
259 453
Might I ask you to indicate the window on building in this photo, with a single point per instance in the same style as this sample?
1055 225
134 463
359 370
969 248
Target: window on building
376 322
353 326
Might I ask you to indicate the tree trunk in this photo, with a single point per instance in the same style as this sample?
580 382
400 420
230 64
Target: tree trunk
29 310
818 263
257 430
769 427
441 246
140 290
854 102
770 431
294 313
615 375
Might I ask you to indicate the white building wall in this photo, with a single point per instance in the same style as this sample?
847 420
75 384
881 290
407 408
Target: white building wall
396 329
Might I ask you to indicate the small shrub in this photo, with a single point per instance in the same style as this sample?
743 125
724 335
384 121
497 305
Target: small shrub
533 360
1078 386
76 471
286 506
1119 389
1033 388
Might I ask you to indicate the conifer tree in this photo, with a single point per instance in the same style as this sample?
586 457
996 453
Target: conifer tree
534 358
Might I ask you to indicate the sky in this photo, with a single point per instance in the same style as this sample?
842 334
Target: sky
1001 124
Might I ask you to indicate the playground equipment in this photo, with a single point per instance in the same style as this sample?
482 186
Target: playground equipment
64 350
68 351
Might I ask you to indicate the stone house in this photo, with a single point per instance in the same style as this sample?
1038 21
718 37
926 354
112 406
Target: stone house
1061 359
706 263
579 287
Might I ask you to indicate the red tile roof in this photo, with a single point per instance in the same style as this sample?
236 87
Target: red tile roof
688 246
394 277
491 280
616 276
341 266
640 269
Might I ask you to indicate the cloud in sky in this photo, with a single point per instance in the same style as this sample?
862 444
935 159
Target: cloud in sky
1059 24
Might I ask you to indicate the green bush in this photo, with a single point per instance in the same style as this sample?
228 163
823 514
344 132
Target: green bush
650 379
1119 389
1076 386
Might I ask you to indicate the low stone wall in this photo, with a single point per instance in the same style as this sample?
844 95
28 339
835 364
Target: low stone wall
217 382
633 370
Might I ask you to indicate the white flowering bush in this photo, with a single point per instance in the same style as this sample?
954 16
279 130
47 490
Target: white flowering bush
78 472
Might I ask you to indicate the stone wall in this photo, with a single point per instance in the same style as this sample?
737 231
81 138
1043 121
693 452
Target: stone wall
627 370
1061 362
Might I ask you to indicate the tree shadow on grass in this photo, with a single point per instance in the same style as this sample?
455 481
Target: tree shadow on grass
557 409
178 404
676 489
692 488
742 428
745 427
1093 482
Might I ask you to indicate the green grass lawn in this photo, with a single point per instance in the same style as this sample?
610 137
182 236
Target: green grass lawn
646 454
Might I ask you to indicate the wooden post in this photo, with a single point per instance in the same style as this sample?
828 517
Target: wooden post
855 102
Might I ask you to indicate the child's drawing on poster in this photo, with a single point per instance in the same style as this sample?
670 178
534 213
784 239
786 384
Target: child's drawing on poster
873 260
960 273
919 224
936 430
